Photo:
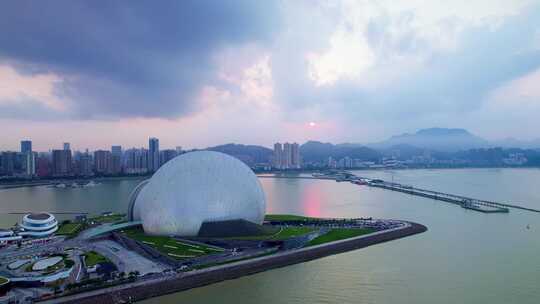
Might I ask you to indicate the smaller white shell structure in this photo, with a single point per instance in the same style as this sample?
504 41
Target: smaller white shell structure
194 188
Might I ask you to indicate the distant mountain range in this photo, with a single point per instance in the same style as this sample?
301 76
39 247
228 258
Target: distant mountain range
250 154
449 140
314 151
437 141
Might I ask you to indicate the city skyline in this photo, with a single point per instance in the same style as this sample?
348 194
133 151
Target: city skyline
173 145
355 73
66 162
168 151
82 143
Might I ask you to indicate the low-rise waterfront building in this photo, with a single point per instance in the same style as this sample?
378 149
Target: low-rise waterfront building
7 236
38 225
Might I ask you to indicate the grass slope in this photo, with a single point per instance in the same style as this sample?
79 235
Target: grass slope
3 280
93 258
170 246
69 229
111 218
282 234
338 234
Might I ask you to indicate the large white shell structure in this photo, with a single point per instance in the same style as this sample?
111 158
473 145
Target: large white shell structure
194 188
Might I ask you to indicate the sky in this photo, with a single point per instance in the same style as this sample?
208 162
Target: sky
203 73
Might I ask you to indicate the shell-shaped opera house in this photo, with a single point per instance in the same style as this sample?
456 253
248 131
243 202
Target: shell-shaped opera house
196 188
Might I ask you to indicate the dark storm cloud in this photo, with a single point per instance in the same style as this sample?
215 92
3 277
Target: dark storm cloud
129 58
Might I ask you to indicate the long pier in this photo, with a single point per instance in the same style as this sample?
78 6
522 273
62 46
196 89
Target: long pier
468 203
463 201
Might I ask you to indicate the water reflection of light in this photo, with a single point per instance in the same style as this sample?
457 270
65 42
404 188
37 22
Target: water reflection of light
312 200
269 191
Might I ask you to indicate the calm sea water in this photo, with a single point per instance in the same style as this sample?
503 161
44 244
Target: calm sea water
465 257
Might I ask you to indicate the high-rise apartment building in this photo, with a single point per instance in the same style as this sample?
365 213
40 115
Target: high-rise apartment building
102 162
116 159
28 158
136 161
67 146
331 162
276 157
296 160
61 162
116 150
26 146
43 166
286 156
85 164
30 163
153 154
8 163
166 155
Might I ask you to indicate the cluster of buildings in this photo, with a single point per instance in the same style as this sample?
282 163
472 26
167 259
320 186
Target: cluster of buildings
23 161
65 162
515 159
33 225
386 162
286 156
348 163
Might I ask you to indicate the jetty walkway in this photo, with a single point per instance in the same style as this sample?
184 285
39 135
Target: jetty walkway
470 203
465 202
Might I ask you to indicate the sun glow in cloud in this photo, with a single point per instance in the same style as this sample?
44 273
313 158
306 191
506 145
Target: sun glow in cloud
388 37
348 57
523 88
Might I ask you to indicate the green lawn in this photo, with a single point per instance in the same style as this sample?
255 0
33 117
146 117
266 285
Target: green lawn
289 232
28 267
93 258
69 229
170 246
115 217
281 234
3 280
338 234
53 268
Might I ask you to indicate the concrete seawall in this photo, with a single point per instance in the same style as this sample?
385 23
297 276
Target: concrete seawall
141 290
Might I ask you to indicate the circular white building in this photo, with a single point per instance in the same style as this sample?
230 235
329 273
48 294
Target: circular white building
196 188
38 225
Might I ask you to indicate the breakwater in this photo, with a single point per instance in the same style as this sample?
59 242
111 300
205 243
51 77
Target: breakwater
144 289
